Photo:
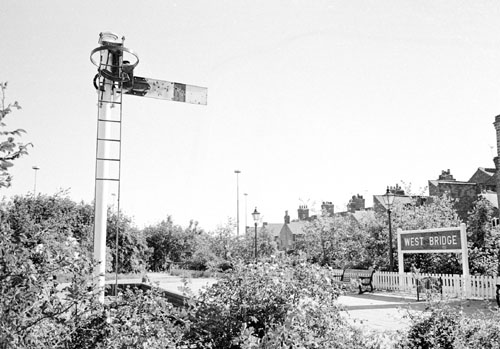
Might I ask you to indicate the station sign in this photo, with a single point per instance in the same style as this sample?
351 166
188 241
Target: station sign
432 241
436 240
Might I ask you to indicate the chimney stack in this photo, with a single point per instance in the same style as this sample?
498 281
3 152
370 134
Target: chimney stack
287 218
328 208
303 213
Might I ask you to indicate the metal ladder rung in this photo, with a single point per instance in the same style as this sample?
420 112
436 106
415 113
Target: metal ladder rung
110 102
104 120
109 139
108 179
108 159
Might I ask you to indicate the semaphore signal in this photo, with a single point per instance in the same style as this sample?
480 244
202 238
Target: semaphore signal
116 77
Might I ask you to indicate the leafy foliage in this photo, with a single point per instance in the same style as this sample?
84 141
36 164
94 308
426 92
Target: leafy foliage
35 311
445 327
170 243
52 219
243 248
337 241
438 213
484 239
432 330
257 297
133 251
10 150
143 320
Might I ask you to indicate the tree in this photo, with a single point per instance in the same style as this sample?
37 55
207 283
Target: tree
438 213
170 243
376 249
133 251
51 218
483 239
243 247
35 310
338 241
10 150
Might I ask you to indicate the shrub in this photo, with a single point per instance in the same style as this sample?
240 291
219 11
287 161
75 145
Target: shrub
256 298
435 329
478 333
143 320
444 327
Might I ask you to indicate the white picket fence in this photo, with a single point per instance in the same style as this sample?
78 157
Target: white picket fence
483 287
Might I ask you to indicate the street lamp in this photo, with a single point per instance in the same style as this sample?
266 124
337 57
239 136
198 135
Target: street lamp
256 216
36 168
389 201
237 203
246 222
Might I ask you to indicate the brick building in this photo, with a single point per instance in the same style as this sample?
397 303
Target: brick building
463 193
399 198
357 203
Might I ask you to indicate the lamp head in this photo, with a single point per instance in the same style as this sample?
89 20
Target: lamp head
256 215
388 198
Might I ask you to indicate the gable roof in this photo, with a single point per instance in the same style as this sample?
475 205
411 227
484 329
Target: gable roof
297 227
482 175
403 199
273 228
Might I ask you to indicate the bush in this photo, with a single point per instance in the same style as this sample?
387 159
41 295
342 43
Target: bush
478 333
143 320
432 330
256 298
444 327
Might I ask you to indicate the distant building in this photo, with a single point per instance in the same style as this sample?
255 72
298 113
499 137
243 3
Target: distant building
482 183
357 203
399 198
328 207
485 178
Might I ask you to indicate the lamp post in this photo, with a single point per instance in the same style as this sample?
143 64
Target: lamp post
389 201
237 203
256 216
36 168
246 222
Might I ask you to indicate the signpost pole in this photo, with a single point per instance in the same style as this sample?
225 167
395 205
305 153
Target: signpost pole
401 267
465 259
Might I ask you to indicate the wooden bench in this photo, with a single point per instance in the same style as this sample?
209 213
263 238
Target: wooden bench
362 277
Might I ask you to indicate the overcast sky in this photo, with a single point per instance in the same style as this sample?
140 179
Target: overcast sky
311 100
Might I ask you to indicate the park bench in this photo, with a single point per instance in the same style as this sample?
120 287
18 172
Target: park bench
429 285
363 278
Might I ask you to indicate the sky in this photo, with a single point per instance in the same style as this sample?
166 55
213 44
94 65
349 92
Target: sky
311 100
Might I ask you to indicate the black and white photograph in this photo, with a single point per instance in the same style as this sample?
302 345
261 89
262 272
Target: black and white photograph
250 174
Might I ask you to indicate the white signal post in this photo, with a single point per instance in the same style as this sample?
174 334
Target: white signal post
108 97
116 77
